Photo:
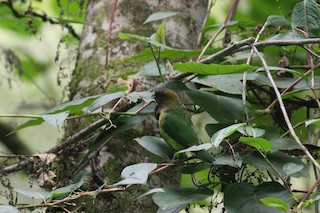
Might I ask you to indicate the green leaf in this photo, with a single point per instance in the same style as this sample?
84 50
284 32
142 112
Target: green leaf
122 123
278 160
306 14
56 120
284 144
287 36
275 203
291 168
146 54
259 143
212 69
151 69
228 160
222 108
196 148
248 130
171 198
160 15
33 194
103 100
218 137
277 21
246 198
194 168
313 121
146 96
161 34
227 83
63 191
8 209
136 174
33 122
155 145
151 191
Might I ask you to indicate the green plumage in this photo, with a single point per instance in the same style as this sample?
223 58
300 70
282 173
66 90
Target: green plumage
175 126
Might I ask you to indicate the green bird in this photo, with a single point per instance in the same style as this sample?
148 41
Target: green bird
175 125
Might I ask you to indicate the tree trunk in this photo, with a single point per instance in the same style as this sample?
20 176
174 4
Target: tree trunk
88 77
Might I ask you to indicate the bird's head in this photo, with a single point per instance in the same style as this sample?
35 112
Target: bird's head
164 95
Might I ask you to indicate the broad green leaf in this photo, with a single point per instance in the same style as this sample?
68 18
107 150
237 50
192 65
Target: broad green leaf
8 209
306 15
151 69
248 130
122 124
291 168
287 36
136 174
144 39
146 54
196 148
278 160
259 143
33 194
161 34
246 198
275 203
151 191
103 100
155 145
63 191
160 15
222 108
56 120
227 83
75 106
212 69
218 137
173 209
33 122
172 198
283 144
146 96
313 121
277 21
194 168
228 160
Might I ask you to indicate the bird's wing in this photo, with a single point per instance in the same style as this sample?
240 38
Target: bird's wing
176 125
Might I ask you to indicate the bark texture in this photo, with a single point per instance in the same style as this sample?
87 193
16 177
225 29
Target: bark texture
122 150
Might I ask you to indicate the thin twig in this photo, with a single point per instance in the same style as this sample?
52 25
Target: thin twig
283 109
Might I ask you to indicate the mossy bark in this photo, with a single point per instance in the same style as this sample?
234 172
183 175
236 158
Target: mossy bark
87 79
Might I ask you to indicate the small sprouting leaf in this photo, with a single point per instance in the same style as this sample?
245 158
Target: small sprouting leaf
196 148
103 100
160 15
259 143
136 174
146 96
171 198
248 130
275 203
161 34
218 137
57 119
277 21
155 145
291 168
313 121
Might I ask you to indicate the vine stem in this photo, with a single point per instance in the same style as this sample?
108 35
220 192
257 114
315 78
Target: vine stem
283 109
